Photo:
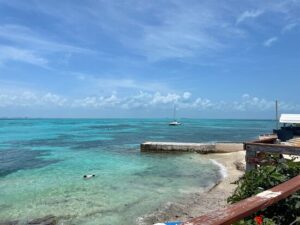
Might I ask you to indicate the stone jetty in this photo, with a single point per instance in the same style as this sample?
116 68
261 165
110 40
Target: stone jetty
203 148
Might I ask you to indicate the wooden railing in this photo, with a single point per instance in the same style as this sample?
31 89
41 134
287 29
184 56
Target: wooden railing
266 146
247 207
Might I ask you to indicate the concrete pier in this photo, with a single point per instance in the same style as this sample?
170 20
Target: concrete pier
203 148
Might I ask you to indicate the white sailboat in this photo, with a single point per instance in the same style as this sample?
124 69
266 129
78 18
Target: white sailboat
174 122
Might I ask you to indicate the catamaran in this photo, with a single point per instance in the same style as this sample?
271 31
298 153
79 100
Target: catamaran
174 122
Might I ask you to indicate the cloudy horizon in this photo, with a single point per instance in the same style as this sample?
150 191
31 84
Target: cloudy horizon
139 58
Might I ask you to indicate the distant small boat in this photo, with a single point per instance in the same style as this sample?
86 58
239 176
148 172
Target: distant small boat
174 122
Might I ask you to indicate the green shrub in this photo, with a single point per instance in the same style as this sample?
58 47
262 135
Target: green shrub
286 211
265 221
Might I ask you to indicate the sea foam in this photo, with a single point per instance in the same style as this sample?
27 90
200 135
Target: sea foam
223 170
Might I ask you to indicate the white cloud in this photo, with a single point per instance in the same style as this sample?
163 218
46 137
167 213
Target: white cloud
26 37
141 100
245 96
289 27
107 84
269 42
166 30
185 32
30 47
53 99
30 99
97 102
200 103
253 103
164 99
186 95
248 15
8 53
156 30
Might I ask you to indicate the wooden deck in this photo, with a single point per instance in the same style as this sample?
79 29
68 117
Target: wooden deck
266 146
247 207
294 142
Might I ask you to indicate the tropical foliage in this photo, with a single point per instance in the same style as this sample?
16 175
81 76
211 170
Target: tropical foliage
286 211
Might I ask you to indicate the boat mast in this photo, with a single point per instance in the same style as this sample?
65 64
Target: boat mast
276 108
174 113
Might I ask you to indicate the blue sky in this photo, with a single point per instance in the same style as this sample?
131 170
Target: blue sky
134 58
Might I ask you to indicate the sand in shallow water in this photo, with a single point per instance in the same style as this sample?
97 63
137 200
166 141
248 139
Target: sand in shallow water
203 202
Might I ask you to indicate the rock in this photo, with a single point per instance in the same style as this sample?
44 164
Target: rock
240 166
14 222
47 220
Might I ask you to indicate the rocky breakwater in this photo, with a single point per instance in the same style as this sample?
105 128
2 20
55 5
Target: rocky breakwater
46 220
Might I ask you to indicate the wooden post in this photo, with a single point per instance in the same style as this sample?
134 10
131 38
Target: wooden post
250 155
276 105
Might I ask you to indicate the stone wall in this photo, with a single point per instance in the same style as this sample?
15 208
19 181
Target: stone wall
203 148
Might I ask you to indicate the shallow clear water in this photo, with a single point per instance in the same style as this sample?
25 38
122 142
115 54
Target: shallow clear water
42 163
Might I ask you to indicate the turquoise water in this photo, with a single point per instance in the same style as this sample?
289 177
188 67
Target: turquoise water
42 163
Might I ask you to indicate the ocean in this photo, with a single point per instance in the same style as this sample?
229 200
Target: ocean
42 163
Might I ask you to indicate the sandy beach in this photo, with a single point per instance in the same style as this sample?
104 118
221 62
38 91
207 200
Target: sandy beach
200 203
217 196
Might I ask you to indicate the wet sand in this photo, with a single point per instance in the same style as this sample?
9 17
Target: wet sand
201 203
217 196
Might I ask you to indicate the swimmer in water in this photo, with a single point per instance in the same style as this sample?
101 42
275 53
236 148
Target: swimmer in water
89 176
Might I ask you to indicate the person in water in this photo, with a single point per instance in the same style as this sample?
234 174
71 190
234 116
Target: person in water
89 176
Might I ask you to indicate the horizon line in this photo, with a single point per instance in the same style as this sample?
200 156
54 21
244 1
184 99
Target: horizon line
204 118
